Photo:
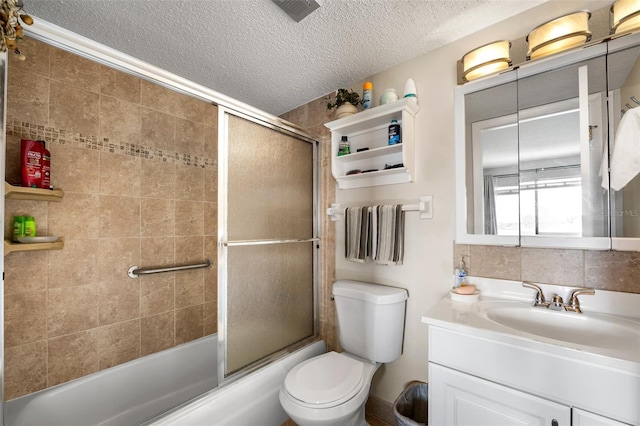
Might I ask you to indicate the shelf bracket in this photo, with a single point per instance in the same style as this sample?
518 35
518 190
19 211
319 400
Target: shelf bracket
334 211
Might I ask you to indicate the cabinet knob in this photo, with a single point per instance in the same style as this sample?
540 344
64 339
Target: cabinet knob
554 422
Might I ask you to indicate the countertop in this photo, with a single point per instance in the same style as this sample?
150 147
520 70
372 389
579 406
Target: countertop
472 317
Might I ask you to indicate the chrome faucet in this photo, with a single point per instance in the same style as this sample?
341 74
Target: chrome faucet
556 303
539 300
574 303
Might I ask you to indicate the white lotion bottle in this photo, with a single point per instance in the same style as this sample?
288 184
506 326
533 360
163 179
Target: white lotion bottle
410 90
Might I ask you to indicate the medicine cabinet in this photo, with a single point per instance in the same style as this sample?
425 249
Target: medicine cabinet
372 161
537 147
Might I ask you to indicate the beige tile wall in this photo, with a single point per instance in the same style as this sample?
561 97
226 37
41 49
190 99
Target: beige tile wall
138 165
605 270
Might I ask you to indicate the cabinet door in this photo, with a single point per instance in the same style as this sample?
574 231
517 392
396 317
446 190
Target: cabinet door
585 418
458 399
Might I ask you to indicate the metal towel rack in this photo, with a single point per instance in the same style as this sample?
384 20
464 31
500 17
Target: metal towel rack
136 271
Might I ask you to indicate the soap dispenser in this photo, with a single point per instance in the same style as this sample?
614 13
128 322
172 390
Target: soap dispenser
460 279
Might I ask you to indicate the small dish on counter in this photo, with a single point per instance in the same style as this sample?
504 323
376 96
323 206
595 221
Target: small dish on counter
42 239
465 294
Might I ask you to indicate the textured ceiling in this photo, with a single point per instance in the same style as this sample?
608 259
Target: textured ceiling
252 51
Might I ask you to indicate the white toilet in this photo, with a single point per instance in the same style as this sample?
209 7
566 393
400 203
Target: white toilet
332 389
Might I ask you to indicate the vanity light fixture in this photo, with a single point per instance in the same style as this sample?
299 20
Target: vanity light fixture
485 60
624 16
559 34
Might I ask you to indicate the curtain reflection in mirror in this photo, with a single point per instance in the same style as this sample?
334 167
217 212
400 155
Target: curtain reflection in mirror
490 223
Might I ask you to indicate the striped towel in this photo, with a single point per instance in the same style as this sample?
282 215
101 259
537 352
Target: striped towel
389 234
374 234
358 232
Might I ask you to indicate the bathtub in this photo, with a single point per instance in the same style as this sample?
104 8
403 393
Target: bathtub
249 401
128 394
138 391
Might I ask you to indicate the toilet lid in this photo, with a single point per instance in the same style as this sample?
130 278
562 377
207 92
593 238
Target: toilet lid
326 380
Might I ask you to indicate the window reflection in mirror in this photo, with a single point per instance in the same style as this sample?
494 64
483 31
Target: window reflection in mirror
624 139
492 160
561 132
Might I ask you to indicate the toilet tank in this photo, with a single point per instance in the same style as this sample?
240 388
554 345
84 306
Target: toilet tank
370 319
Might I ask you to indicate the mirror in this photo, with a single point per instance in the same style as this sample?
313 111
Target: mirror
562 135
623 70
533 155
492 149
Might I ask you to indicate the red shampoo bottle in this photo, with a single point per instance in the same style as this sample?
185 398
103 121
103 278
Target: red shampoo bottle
46 167
31 163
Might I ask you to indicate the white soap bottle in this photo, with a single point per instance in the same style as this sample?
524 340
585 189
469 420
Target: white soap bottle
460 279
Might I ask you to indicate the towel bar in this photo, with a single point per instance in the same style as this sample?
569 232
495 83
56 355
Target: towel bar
424 206
136 271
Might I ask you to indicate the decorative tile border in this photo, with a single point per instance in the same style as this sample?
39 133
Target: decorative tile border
33 131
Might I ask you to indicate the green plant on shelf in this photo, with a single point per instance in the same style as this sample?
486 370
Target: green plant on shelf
344 96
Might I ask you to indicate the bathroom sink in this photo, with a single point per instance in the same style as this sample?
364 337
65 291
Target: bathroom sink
582 329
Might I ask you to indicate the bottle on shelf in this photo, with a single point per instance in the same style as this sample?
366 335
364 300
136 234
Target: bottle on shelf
344 148
31 163
29 226
18 228
410 90
367 95
46 167
395 133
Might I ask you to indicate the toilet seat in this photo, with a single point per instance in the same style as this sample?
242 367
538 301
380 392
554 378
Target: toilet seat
325 381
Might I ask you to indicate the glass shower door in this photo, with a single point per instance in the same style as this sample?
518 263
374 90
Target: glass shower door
267 233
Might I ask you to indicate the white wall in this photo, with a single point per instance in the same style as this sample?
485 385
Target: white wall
428 263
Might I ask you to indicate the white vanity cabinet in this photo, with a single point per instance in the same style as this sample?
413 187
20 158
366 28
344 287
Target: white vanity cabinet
369 129
458 399
501 361
478 378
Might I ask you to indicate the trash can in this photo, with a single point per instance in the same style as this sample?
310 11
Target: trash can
412 406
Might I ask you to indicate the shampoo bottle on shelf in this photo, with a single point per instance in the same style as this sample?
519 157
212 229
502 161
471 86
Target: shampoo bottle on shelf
29 226
46 167
18 228
31 163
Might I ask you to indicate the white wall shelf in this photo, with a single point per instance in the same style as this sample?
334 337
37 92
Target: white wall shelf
369 129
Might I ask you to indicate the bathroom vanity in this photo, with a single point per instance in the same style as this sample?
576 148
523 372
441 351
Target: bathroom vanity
502 361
